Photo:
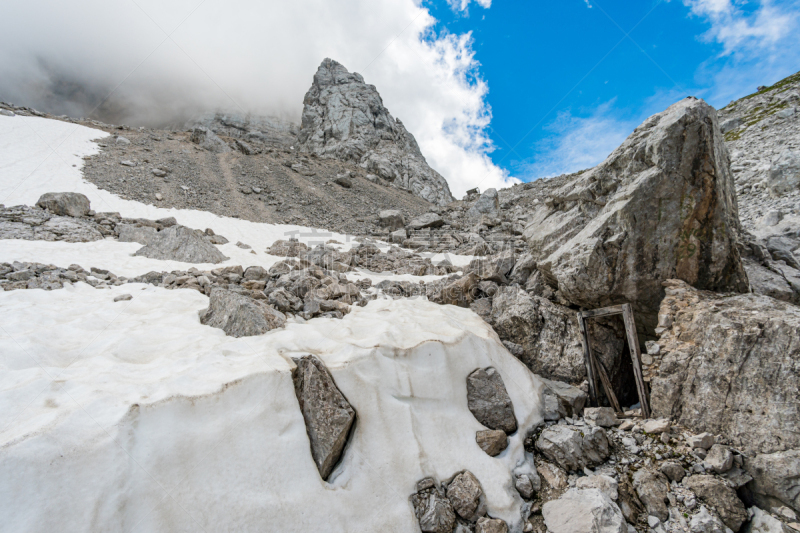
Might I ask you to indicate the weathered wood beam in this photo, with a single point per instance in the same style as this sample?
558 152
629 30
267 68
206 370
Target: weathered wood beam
636 357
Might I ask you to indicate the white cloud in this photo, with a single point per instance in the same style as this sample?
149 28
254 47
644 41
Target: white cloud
257 56
578 142
737 29
760 44
588 4
463 5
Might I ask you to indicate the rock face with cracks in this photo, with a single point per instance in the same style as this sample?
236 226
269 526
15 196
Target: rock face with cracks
488 400
179 243
344 118
583 511
661 206
327 413
723 498
776 479
729 365
573 450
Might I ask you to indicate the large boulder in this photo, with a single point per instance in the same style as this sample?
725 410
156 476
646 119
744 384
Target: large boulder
488 400
561 399
728 365
776 479
179 243
71 204
344 118
391 219
572 449
327 413
487 204
240 316
661 206
721 497
652 487
549 338
583 511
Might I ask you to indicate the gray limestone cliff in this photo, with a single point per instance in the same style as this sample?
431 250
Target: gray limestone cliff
344 118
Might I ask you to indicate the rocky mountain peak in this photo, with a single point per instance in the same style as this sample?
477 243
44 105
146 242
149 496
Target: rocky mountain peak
344 118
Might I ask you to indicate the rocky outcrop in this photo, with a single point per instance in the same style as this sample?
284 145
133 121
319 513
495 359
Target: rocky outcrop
573 450
661 206
328 415
583 511
548 338
715 492
651 487
179 243
71 204
729 365
208 140
561 400
488 401
776 479
35 224
240 316
344 118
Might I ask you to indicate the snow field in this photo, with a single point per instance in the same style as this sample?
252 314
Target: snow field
137 412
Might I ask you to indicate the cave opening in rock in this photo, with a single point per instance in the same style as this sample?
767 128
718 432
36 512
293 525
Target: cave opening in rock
610 348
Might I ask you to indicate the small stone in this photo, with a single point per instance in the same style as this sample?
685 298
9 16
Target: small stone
492 441
491 525
719 458
524 486
159 197
465 493
601 416
158 172
6 113
123 298
344 182
654 427
703 441
127 163
673 470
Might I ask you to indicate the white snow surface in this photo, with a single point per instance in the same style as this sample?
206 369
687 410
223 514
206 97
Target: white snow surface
132 416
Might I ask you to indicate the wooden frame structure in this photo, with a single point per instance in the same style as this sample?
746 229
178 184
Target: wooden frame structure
595 369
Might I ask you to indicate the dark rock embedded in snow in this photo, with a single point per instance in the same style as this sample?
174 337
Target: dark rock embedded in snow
465 493
240 316
432 508
71 204
179 243
491 441
327 413
488 400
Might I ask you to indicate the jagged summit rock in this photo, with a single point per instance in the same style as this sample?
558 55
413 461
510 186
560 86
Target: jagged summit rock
344 118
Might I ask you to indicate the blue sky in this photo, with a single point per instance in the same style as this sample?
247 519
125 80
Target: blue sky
569 80
492 90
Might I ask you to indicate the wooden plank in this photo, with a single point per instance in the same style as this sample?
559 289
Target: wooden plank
587 359
601 372
636 357
604 311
